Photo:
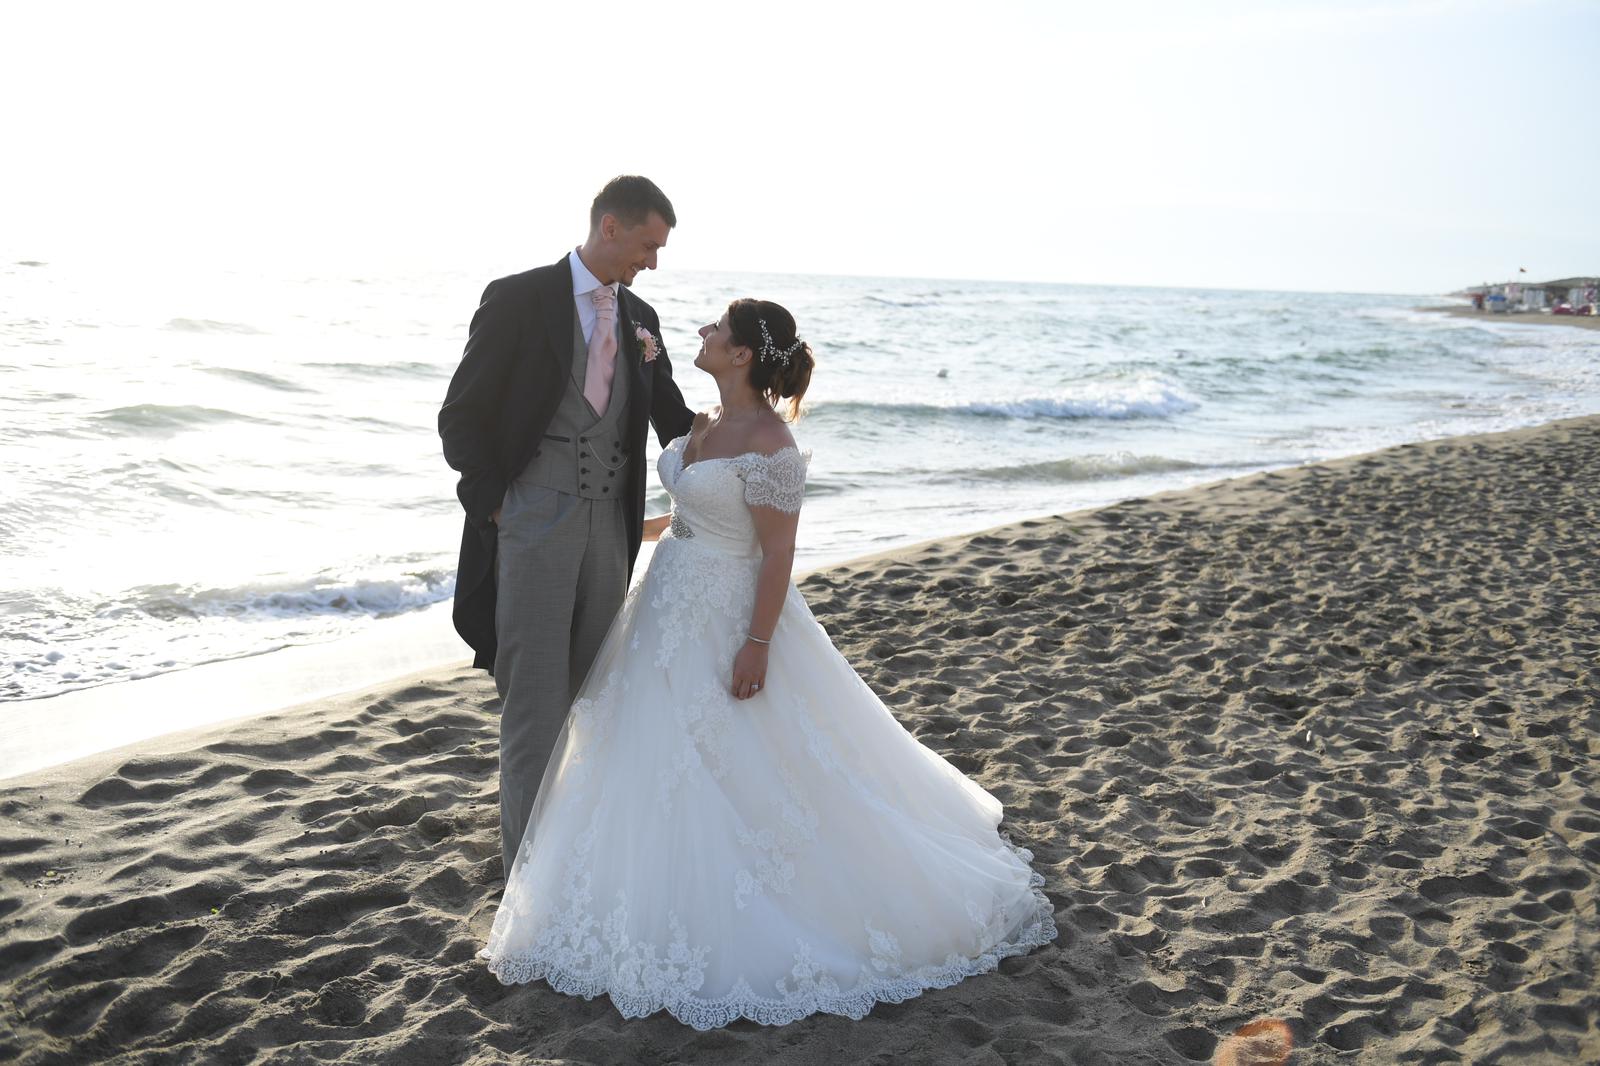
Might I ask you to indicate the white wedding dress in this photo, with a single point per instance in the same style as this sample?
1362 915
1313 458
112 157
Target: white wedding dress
719 859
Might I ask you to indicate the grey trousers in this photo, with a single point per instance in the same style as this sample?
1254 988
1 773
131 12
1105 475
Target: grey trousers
562 574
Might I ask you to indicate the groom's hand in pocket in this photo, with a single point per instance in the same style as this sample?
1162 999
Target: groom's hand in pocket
749 670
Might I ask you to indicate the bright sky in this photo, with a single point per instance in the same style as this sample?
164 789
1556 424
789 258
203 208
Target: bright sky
1381 147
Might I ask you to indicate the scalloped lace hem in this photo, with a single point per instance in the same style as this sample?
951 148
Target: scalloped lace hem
743 1002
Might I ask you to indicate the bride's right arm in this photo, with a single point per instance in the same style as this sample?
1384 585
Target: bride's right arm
654 527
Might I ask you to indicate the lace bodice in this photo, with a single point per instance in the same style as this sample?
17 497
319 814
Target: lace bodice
711 499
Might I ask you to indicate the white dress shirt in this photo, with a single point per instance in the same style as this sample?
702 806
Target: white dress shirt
583 283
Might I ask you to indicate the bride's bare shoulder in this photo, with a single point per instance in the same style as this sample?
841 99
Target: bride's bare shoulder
771 437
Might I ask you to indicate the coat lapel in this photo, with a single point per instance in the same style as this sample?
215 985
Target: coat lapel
560 314
630 351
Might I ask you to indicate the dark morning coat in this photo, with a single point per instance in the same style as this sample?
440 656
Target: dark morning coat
500 401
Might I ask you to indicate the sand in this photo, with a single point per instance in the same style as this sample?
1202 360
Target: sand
1307 756
1521 319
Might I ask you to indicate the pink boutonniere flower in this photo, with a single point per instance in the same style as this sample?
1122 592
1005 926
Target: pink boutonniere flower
647 343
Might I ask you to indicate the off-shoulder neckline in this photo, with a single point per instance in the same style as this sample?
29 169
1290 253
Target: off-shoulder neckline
728 458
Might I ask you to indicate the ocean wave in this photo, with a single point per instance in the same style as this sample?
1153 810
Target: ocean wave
376 597
207 325
1076 468
256 377
384 370
153 416
1141 400
1113 407
384 425
824 487
55 642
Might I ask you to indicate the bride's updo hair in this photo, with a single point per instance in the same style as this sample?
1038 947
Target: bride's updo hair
781 369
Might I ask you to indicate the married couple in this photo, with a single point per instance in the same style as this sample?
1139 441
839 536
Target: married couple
703 809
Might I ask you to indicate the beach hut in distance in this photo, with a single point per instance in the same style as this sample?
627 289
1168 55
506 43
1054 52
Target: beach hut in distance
1566 296
1577 295
1487 297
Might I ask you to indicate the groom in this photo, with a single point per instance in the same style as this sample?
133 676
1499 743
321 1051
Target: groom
545 420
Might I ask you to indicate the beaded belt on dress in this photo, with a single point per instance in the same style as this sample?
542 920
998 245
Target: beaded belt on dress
679 527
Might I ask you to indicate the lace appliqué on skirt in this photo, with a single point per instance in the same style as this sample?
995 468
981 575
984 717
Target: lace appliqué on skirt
696 583
584 956
647 978
705 721
591 723
775 847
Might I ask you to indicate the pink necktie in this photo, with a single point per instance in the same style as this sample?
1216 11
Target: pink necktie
602 350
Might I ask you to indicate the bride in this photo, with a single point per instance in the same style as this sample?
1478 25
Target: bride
732 824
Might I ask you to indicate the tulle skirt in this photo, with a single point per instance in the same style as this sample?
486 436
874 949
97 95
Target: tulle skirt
766 859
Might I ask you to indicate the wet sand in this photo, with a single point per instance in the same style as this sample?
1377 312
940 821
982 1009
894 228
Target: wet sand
1308 757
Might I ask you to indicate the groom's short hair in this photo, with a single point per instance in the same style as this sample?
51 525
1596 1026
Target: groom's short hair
631 198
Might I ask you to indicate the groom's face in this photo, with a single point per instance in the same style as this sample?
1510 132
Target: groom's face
635 247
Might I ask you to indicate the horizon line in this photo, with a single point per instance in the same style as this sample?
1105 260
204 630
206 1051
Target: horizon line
34 262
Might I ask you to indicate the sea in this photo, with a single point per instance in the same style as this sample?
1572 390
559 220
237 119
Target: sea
215 465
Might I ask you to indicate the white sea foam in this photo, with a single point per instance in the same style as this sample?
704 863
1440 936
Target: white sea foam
1078 468
78 643
1139 399
206 325
1143 398
377 596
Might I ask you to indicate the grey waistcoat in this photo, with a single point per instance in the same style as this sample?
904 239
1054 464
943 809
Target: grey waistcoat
582 453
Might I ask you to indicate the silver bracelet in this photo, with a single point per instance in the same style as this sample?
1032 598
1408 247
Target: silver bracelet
757 639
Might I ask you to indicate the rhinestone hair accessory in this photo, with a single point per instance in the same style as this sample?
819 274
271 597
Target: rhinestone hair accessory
771 353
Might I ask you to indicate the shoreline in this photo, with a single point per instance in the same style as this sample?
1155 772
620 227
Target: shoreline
1519 319
948 498
33 731
1307 753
